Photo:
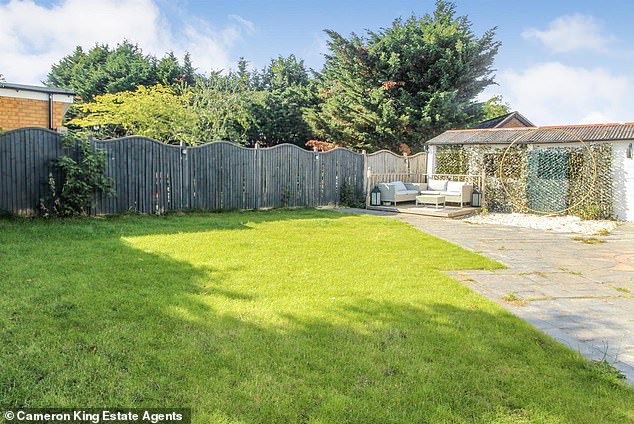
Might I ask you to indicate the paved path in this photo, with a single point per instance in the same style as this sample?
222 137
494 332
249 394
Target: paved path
580 294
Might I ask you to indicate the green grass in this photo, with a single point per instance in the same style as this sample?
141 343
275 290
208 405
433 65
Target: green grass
513 299
589 240
281 316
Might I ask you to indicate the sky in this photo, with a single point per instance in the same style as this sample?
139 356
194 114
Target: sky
561 61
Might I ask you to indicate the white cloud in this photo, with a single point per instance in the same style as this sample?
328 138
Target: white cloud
572 32
33 36
553 94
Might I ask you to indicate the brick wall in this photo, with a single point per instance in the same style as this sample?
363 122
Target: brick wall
17 113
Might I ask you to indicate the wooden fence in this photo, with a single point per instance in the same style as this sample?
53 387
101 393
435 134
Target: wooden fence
153 177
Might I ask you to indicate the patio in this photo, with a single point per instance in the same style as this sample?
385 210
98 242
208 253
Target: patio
441 212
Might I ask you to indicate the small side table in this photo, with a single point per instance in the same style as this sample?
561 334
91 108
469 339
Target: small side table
434 199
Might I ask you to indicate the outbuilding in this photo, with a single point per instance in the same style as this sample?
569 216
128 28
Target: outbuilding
584 170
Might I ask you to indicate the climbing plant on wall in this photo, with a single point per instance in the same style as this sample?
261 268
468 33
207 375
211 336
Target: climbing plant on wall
574 180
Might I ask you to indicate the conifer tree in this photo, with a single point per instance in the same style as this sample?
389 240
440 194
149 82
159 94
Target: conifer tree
403 84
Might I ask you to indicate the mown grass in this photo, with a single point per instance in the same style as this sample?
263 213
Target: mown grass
280 316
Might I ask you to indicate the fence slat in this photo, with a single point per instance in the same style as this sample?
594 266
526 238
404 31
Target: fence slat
149 176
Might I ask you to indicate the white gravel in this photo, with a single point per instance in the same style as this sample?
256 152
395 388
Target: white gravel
563 224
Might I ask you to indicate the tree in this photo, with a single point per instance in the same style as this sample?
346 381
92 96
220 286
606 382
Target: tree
189 72
286 91
403 84
223 109
283 72
168 69
104 70
494 107
154 112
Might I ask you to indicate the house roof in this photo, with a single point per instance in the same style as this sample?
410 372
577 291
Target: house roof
500 121
36 88
524 135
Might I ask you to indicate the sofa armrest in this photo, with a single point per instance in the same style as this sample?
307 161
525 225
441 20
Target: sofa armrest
467 190
388 192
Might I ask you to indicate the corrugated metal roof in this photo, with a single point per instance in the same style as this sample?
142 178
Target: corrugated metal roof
556 134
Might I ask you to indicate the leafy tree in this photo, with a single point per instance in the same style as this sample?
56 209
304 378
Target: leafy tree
154 112
223 109
494 107
405 83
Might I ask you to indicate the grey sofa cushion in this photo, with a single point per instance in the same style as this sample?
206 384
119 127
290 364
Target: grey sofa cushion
399 186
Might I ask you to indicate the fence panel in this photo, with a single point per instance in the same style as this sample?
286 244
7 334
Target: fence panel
26 159
386 162
152 177
147 176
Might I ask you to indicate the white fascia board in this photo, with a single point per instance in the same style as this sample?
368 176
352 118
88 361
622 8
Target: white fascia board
34 95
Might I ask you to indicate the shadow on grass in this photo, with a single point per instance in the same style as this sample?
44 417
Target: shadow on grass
172 223
104 325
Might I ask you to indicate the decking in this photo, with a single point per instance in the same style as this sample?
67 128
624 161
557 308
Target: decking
442 212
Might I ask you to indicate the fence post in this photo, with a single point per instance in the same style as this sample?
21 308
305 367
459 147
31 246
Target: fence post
186 185
366 178
406 161
483 187
256 177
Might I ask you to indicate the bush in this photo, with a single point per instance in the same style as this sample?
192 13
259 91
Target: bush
349 197
80 180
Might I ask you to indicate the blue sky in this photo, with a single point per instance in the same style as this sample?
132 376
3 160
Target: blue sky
560 61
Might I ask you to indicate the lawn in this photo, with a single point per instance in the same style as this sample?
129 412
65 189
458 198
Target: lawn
279 316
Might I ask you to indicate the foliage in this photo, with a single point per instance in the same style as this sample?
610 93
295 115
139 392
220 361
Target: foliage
279 316
81 179
349 197
542 179
588 199
104 70
154 112
391 89
285 92
452 160
406 83
244 107
322 146
494 107
222 109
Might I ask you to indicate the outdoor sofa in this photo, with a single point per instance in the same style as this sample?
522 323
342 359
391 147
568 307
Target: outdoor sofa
399 191
454 191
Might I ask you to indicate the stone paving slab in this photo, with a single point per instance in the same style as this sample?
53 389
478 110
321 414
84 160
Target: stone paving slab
578 293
